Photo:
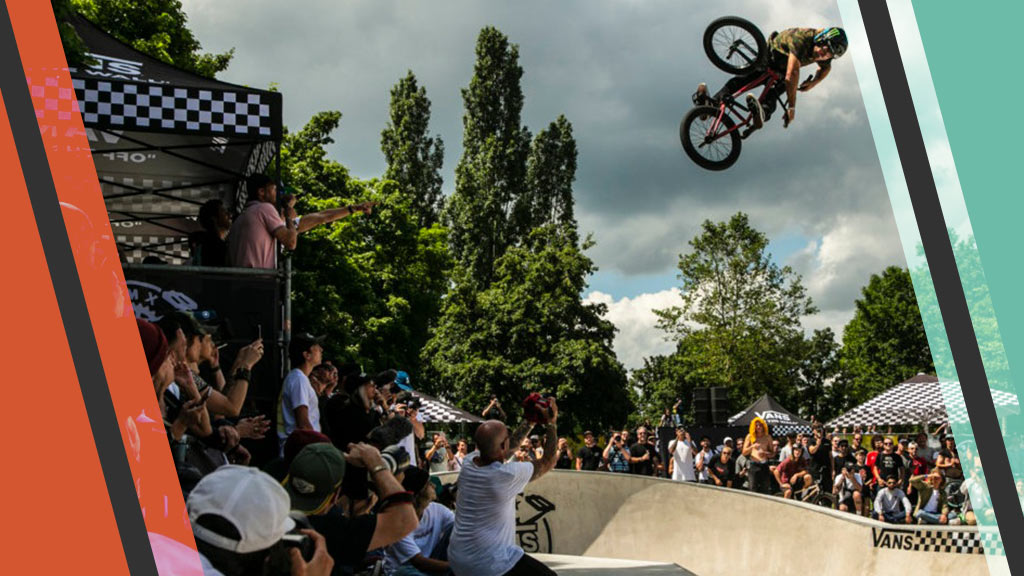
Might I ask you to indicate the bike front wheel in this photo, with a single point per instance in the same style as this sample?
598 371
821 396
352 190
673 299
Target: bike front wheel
708 141
735 45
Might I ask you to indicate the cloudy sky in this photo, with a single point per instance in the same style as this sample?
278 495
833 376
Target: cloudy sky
622 71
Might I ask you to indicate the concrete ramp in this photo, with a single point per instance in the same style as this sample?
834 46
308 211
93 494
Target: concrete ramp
723 532
589 566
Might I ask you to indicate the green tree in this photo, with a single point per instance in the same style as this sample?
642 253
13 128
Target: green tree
822 392
414 158
157 28
660 384
885 342
372 284
740 314
550 173
491 173
74 49
529 331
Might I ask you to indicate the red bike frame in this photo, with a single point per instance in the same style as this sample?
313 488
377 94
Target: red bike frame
738 111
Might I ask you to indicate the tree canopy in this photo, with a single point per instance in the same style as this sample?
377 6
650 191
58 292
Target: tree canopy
885 342
157 28
740 314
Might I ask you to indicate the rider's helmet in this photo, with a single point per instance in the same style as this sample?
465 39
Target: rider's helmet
834 38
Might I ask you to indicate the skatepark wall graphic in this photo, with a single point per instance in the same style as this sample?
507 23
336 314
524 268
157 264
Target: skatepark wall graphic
629 517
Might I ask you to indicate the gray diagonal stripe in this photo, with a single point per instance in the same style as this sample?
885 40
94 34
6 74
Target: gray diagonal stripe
71 301
948 289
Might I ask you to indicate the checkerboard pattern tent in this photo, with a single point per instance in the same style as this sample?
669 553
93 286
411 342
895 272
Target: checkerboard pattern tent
435 410
916 401
164 140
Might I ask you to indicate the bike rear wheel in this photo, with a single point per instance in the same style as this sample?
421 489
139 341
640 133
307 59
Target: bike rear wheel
735 45
825 499
711 151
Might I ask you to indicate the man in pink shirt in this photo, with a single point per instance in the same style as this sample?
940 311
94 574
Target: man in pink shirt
252 242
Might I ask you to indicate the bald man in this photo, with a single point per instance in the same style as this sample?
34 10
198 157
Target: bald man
483 541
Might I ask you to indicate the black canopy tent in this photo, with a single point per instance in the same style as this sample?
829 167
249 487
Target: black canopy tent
780 420
165 141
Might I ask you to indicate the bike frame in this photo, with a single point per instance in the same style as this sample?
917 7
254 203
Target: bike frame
742 116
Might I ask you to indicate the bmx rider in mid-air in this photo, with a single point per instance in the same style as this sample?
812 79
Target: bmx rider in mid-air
789 51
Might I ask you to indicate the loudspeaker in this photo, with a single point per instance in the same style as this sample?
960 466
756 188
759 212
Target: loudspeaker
720 412
702 406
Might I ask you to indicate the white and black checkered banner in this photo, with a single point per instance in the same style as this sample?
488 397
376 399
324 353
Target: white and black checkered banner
947 541
435 410
171 108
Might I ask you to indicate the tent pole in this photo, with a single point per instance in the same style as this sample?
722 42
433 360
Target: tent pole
287 326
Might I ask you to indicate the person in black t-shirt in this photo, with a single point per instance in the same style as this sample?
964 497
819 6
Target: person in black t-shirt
564 459
589 456
314 486
820 451
642 456
888 464
721 470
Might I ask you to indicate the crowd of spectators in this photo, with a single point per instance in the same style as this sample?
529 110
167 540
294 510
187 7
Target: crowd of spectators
915 478
352 484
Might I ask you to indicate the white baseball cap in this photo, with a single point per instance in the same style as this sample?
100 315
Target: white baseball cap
251 500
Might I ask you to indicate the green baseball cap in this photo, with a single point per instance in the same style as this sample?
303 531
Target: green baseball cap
314 476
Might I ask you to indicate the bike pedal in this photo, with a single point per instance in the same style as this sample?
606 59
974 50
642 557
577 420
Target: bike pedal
747 132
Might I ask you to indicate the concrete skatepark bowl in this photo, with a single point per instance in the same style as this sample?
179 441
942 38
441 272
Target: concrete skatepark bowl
710 531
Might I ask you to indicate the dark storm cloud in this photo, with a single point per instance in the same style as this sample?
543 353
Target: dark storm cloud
622 72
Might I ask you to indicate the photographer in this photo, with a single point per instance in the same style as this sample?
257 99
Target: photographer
240 519
314 486
408 406
252 242
849 489
615 454
494 411
483 542
438 455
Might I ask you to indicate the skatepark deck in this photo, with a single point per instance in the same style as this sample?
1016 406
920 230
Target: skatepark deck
590 566
625 517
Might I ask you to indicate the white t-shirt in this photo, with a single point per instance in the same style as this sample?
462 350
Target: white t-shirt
484 537
409 443
682 461
436 519
705 459
296 392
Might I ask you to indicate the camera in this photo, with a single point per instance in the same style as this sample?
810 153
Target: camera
279 561
536 409
395 457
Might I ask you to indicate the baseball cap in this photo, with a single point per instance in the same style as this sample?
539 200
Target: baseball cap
249 499
315 474
402 381
588 433
298 440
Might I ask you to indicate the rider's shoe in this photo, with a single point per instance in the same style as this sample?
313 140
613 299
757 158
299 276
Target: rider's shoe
758 112
700 97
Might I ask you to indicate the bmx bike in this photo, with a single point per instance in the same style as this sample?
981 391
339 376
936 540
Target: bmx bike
712 134
813 494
